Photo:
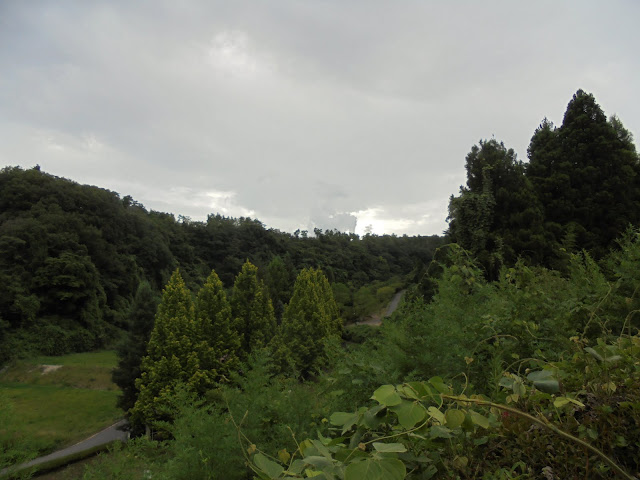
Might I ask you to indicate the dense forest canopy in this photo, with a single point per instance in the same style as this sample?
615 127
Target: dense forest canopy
72 257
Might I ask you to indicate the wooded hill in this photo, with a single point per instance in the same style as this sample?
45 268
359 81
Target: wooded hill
72 257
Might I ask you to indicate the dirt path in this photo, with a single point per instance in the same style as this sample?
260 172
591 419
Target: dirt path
103 437
375 320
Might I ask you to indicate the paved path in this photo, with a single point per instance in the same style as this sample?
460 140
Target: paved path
376 319
104 437
394 303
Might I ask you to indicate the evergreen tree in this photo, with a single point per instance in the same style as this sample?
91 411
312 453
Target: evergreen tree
497 216
133 349
252 310
309 319
219 344
171 359
586 174
279 280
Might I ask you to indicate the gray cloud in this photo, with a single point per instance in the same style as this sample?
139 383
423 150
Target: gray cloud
301 114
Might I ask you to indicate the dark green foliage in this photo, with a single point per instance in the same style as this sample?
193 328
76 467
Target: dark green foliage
586 174
219 349
252 310
134 348
72 256
311 317
497 216
279 279
172 358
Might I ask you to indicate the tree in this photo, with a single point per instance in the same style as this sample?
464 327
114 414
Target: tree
279 281
497 216
586 174
310 318
219 343
252 310
134 348
172 357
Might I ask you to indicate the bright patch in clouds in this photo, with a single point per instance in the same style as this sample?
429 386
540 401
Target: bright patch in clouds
231 53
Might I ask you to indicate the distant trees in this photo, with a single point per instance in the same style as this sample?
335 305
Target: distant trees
72 257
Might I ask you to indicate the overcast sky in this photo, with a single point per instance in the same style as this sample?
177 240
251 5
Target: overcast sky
299 113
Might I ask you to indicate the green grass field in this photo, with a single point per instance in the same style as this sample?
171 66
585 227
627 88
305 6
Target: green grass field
60 407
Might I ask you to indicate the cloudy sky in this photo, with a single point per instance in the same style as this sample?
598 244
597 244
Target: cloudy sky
317 113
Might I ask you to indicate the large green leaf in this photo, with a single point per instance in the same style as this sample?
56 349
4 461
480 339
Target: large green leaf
454 418
479 419
376 469
269 467
387 395
436 413
389 447
344 419
409 413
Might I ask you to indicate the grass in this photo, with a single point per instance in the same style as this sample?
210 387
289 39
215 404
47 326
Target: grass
64 406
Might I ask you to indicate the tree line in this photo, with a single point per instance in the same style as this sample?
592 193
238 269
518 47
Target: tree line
72 257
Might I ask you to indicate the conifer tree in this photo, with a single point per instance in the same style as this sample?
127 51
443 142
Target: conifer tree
219 344
252 310
133 349
586 174
310 318
171 357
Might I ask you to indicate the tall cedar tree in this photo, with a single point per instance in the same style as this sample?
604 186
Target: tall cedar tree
133 349
586 174
497 216
172 357
252 311
310 318
220 343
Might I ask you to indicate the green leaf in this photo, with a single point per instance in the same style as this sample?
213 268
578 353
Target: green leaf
547 386
460 463
436 413
438 431
594 354
296 467
409 413
540 375
454 418
562 401
479 419
269 467
387 395
420 388
389 447
374 469
344 419
439 385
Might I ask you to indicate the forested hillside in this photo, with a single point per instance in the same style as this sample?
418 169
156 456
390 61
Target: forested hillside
72 257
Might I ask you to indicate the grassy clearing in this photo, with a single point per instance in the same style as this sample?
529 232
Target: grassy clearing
62 407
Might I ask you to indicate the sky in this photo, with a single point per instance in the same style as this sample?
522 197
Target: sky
331 114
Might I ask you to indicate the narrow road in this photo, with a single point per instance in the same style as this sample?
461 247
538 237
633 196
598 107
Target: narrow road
375 319
103 437
394 303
